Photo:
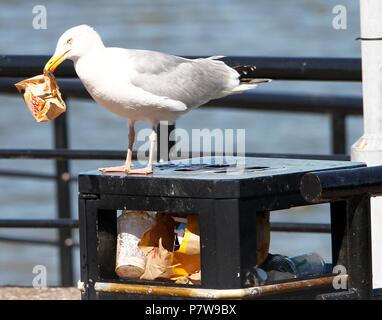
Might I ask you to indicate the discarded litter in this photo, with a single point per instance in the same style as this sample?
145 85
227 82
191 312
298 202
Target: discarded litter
166 247
156 246
186 260
310 264
279 267
131 260
42 97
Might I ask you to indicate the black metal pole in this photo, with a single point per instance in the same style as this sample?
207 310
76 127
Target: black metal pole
73 223
359 245
42 242
300 227
341 184
39 223
338 132
65 154
338 231
63 202
164 144
286 68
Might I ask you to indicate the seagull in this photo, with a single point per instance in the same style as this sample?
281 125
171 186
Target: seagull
143 85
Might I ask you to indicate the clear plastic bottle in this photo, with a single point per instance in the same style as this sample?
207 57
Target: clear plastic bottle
281 267
309 264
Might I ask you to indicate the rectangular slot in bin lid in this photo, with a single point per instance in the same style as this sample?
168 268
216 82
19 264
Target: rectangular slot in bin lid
211 177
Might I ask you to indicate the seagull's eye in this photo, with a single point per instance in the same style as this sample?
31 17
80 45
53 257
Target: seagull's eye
70 41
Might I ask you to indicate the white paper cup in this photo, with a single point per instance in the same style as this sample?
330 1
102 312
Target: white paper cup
130 261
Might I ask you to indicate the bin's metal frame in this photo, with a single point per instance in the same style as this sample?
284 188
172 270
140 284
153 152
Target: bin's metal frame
227 237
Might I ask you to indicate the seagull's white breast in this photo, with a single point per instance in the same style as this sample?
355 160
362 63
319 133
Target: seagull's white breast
106 75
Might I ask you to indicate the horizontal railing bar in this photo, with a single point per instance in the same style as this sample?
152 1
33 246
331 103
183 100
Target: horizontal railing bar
328 185
306 103
62 154
31 175
284 68
29 241
26 174
311 103
69 87
302 68
33 241
39 223
300 227
73 223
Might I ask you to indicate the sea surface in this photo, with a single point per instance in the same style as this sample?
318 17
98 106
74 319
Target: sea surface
227 27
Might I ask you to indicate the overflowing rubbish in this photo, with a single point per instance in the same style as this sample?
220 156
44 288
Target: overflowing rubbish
156 246
42 96
165 247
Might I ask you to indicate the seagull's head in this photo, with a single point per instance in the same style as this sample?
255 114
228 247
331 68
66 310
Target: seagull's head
73 44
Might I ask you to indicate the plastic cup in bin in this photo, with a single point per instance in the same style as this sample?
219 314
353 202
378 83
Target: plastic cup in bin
131 226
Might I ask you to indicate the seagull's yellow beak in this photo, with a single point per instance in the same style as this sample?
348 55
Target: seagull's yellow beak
55 61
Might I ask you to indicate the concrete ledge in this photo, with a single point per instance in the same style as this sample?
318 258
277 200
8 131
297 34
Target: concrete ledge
28 293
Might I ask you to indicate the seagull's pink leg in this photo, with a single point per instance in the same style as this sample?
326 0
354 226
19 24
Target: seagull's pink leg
149 168
126 167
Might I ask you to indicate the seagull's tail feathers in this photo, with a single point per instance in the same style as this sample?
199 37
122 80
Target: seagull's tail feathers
247 82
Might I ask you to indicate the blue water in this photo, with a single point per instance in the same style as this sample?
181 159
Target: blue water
240 27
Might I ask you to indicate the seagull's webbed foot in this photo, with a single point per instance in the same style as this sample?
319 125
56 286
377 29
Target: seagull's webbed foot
145 170
127 169
123 168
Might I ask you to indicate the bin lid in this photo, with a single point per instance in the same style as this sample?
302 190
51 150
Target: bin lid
211 177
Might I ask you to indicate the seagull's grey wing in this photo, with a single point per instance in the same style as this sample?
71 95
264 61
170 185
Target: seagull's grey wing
193 82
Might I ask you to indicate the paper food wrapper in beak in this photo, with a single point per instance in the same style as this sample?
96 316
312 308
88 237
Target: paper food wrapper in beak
42 96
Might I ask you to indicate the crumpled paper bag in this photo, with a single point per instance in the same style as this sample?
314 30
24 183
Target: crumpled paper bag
157 244
42 96
158 263
180 266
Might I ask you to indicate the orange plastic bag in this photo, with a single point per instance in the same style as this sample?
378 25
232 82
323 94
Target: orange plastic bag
42 97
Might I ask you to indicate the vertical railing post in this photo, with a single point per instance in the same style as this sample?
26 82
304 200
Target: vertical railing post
368 148
358 235
164 144
338 133
63 202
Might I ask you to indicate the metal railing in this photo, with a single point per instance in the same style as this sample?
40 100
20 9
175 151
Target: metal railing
15 68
